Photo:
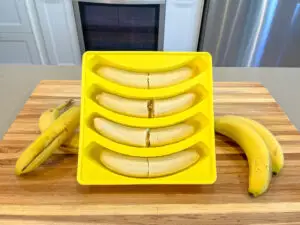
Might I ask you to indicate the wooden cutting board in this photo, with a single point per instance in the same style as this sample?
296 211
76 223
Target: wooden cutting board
51 194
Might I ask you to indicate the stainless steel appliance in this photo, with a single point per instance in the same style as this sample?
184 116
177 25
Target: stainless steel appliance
171 25
252 32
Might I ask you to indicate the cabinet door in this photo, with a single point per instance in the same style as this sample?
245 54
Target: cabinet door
18 48
59 31
13 16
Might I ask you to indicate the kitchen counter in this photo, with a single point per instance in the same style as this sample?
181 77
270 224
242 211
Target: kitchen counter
51 193
18 81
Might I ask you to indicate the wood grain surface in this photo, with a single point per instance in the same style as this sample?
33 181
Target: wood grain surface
51 194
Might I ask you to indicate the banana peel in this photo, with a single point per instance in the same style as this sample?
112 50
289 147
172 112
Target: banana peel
49 141
70 146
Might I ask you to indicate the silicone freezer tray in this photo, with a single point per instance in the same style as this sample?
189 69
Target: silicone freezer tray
90 169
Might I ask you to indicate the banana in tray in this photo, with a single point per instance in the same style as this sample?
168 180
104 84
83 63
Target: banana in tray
146 118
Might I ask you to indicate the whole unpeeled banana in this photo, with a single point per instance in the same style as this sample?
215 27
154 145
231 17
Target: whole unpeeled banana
255 149
263 151
273 145
70 146
53 137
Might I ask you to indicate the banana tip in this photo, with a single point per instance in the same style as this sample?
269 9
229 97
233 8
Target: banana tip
18 172
252 195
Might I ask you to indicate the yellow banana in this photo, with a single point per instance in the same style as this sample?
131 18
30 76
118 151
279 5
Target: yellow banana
47 117
70 146
271 142
43 147
260 165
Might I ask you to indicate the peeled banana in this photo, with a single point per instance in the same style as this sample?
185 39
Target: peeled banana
143 137
148 167
165 107
130 107
131 79
53 137
259 160
123 164
164 79
171 134
170 164
123 134
145 80
146 108
70 146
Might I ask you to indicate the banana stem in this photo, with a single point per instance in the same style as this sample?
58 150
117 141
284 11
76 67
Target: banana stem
63 107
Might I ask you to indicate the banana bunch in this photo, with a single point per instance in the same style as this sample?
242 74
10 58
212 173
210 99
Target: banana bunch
263 151
55 134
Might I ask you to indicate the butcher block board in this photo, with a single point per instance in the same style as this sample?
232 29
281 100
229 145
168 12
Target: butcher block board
51 194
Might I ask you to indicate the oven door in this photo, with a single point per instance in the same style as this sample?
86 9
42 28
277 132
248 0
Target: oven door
120 25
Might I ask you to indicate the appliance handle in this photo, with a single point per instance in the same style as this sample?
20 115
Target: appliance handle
125 2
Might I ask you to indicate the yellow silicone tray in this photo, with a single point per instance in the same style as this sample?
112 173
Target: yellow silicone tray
91 171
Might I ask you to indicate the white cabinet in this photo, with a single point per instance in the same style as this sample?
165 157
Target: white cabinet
38 32
18 48
17 41
13 16
58 27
